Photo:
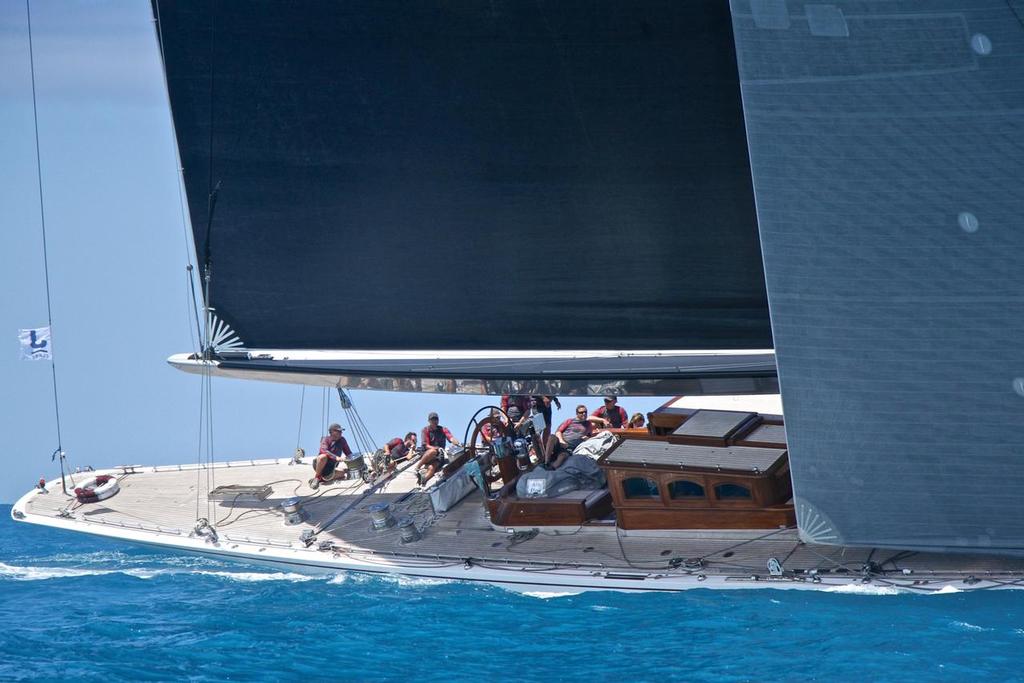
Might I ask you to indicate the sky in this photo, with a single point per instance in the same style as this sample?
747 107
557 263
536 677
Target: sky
117 250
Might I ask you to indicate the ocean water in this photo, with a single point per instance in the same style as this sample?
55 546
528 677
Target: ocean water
78 608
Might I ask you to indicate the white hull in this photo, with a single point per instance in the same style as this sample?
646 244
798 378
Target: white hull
533 572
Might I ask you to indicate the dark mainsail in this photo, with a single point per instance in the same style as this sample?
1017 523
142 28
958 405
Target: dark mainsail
469 175
887 146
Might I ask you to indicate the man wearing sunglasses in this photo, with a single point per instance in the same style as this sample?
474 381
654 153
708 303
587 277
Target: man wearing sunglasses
611 414
568 436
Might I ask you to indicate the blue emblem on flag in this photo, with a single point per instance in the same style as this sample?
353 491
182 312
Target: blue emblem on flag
35 343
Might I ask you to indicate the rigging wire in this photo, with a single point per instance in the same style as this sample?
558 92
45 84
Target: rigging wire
361 434
199 446
193 310
211 483
1016 15
206 332
302 403
324 410
46 262
189 306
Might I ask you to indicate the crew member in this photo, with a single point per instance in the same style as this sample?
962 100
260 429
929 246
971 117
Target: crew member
543 405
637 421
612 414
399 449
434 438
568 436
493 428
516 420
333 448
520 401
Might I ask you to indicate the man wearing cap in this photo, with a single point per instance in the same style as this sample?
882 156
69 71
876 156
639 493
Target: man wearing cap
434 438
613 415
332 448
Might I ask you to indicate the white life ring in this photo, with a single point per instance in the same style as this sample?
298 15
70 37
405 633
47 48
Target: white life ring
100 487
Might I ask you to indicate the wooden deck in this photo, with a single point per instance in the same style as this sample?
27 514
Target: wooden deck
163 503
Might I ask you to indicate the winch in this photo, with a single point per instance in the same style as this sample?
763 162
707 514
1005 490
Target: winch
293 512
356 465
522 451
380 514
407 527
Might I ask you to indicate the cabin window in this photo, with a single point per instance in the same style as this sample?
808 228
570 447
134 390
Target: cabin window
640 487
685 489
731 492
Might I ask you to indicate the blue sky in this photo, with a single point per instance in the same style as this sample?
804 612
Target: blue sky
117 256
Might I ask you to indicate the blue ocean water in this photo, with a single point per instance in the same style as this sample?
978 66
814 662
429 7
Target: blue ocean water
74 607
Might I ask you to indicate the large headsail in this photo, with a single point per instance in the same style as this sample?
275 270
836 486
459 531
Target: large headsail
475 175
887 146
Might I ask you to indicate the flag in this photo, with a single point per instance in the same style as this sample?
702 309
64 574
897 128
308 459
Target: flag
35 343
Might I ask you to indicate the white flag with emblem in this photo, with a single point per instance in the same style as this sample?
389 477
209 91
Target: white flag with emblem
35 343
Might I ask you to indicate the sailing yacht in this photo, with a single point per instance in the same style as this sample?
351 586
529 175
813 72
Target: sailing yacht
708 198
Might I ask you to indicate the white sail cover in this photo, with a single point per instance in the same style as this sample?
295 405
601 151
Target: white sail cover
887 151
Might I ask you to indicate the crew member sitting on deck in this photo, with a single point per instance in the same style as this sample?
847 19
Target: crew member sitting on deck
434 437
637 421
332 448
399 450
613 415
568 436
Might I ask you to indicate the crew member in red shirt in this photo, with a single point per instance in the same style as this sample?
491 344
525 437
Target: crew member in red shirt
399 449
568 436
612 414
521 402
434 438
493 428
333 448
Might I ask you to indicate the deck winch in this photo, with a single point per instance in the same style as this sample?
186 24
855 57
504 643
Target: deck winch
356 467
380 514
522 451
407 527
293 511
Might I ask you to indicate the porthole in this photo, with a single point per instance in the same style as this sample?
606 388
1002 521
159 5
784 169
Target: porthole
639 487
685 489
732 492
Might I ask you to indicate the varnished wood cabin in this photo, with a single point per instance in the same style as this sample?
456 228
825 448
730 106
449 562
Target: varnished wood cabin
690 469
